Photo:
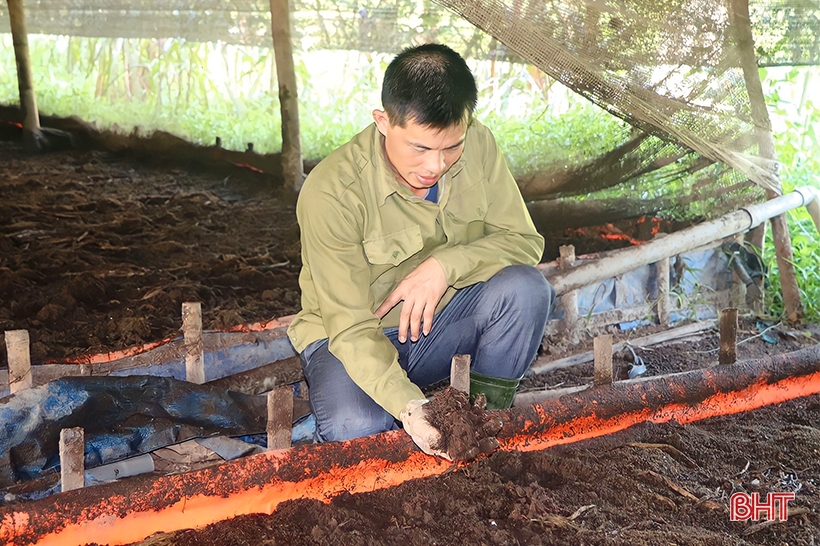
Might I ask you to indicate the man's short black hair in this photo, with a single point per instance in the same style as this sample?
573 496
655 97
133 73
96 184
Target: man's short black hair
430 85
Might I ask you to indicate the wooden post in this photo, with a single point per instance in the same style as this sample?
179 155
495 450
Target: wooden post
741 23
662 282
602 347
727 354
756 237
194 351
460 373
569 301
72 458
292 166
32 137
280 417
17 348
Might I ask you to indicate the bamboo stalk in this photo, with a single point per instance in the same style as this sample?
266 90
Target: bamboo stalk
680 241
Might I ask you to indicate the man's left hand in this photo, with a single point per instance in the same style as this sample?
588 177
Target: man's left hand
421 291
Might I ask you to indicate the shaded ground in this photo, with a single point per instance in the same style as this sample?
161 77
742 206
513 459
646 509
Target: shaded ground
98 252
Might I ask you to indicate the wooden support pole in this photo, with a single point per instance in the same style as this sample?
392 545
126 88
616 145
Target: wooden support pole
569 301
194 350
17 348
755 238
32 138
280 417
460 373
741 23
292 166
727 354
662 305
602 347
72 458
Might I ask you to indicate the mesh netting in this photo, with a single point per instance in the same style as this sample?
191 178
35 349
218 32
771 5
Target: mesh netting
670 68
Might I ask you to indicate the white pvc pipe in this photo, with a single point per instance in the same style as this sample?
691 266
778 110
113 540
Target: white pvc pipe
684 240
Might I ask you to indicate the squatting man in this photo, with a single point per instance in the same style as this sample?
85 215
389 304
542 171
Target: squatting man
416 246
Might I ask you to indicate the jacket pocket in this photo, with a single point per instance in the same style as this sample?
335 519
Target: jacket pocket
394 248
466 211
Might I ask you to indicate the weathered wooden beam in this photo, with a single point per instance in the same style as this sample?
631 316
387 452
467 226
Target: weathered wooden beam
727 353
72 458
194 351
280 417
460 373
569 301
32 138
602 349
741 25
17 348
662 303
292 165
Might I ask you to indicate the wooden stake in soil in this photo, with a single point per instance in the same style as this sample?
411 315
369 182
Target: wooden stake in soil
602 347
72 458
662 282
194 351
569 301
17 347
727 354
280 417
460 373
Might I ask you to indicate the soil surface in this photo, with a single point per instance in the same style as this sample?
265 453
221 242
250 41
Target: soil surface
98 252
648 485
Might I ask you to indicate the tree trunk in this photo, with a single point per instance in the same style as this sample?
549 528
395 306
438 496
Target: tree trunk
28 102
760 117
292 166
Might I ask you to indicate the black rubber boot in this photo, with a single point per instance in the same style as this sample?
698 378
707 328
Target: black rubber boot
499 392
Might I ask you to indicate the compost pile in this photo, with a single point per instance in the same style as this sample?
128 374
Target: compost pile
98 252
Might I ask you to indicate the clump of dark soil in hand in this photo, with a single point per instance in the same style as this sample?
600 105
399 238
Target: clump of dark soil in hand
467 429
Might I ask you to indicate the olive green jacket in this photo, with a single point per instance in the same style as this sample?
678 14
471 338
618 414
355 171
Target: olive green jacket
362 232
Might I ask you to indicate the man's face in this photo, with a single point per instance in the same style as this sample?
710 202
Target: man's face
420 155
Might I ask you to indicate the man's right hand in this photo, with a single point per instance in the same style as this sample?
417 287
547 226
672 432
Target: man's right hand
420 430
420 290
